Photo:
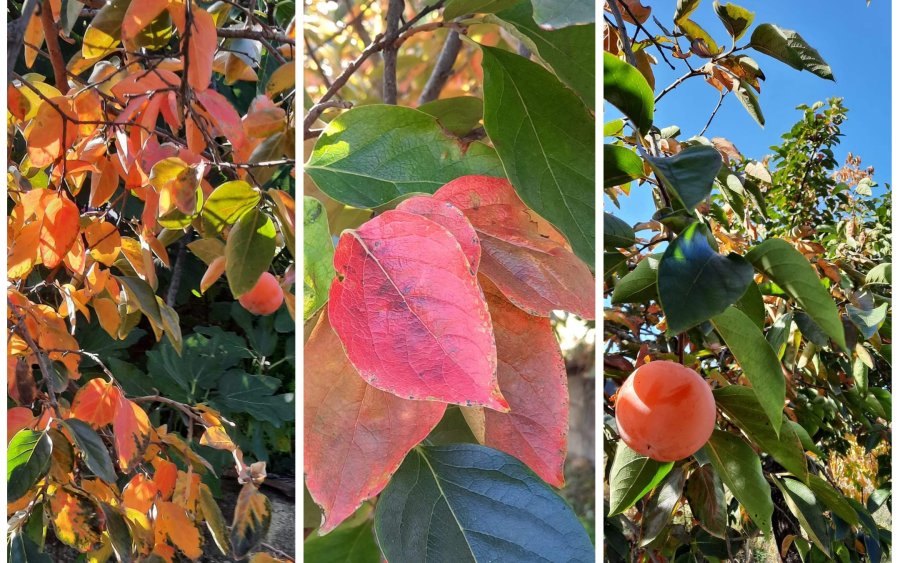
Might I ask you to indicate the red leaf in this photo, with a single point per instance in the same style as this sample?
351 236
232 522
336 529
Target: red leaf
410 313
202 43
224 117
520 252
532 375
132 432
18 418
451 218
355 436
96 403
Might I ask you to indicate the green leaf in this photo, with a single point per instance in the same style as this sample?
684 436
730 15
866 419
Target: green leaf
553 14
452 429
639 286
227 203
880 274
27 462
318 256
746 342
354 544
810 330
695 32
779 333
620 166
614 262
741 471
833 499
751 304
689 175
626 88
563 50
696 283
660 507
616 232
804 437
458 115
788 47
611 129
748 98
867 320
371 155
141 295
545 137
457 8
119 532
96 454
743 408
861 375
253 394
215 521
684 8
735 19
249 250
477 504
785 266
706 496
631 477
802 503
23 550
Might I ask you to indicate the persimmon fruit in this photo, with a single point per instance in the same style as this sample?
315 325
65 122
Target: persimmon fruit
665 411
265 298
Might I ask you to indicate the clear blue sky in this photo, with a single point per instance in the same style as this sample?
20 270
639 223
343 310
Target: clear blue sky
854 39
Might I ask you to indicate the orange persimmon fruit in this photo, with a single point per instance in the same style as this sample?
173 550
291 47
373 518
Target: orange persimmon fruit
265 298
665 411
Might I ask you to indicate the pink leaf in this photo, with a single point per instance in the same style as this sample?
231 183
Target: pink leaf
451 218
410 313
354 436
521 253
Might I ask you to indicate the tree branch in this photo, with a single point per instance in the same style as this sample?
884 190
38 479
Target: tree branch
255 34
394 12
443 69
51 35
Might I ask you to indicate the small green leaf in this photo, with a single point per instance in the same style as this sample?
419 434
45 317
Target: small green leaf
318 256
790 48
743 408
631 477
554 14
457 8
684 8
27 461
689 175
639 286
343 545
833 499
249 250
215 522
867 320
23 550
620 166
695 283
802 503
140 294
751 304
616 232
119 532
741 470
458 115
785 266
96 454
880 274
626 88
746 342
745 94
660 507
735 18
227 203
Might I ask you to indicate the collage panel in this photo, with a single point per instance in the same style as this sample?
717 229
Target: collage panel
150 281
449 258
747 281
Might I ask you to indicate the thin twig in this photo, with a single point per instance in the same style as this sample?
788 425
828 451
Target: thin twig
392 24
315 59
722 95
443 68
649 35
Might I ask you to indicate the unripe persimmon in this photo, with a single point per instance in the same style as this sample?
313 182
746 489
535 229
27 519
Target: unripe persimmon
665 411
265 298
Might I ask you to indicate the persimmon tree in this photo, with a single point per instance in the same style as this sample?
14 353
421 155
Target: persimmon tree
150 154
768 276
449 215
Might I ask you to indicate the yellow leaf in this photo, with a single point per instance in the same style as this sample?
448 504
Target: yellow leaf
173 522
282 79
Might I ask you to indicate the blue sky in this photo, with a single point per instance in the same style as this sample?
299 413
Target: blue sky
854 39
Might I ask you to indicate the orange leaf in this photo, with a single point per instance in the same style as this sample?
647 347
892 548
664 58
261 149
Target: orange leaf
139 15
202 44
264 118
103 183
33 39
187 490
18 418
132 432
45 134
164 475
104 241
213 273
59 228
96 403
172 522
139 493
216 437
75 519
76 259
351 425
24 252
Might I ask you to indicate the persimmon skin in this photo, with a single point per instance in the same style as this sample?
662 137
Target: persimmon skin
665 411
265 298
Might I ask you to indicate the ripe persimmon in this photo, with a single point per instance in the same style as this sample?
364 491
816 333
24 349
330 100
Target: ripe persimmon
265 298
665 411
